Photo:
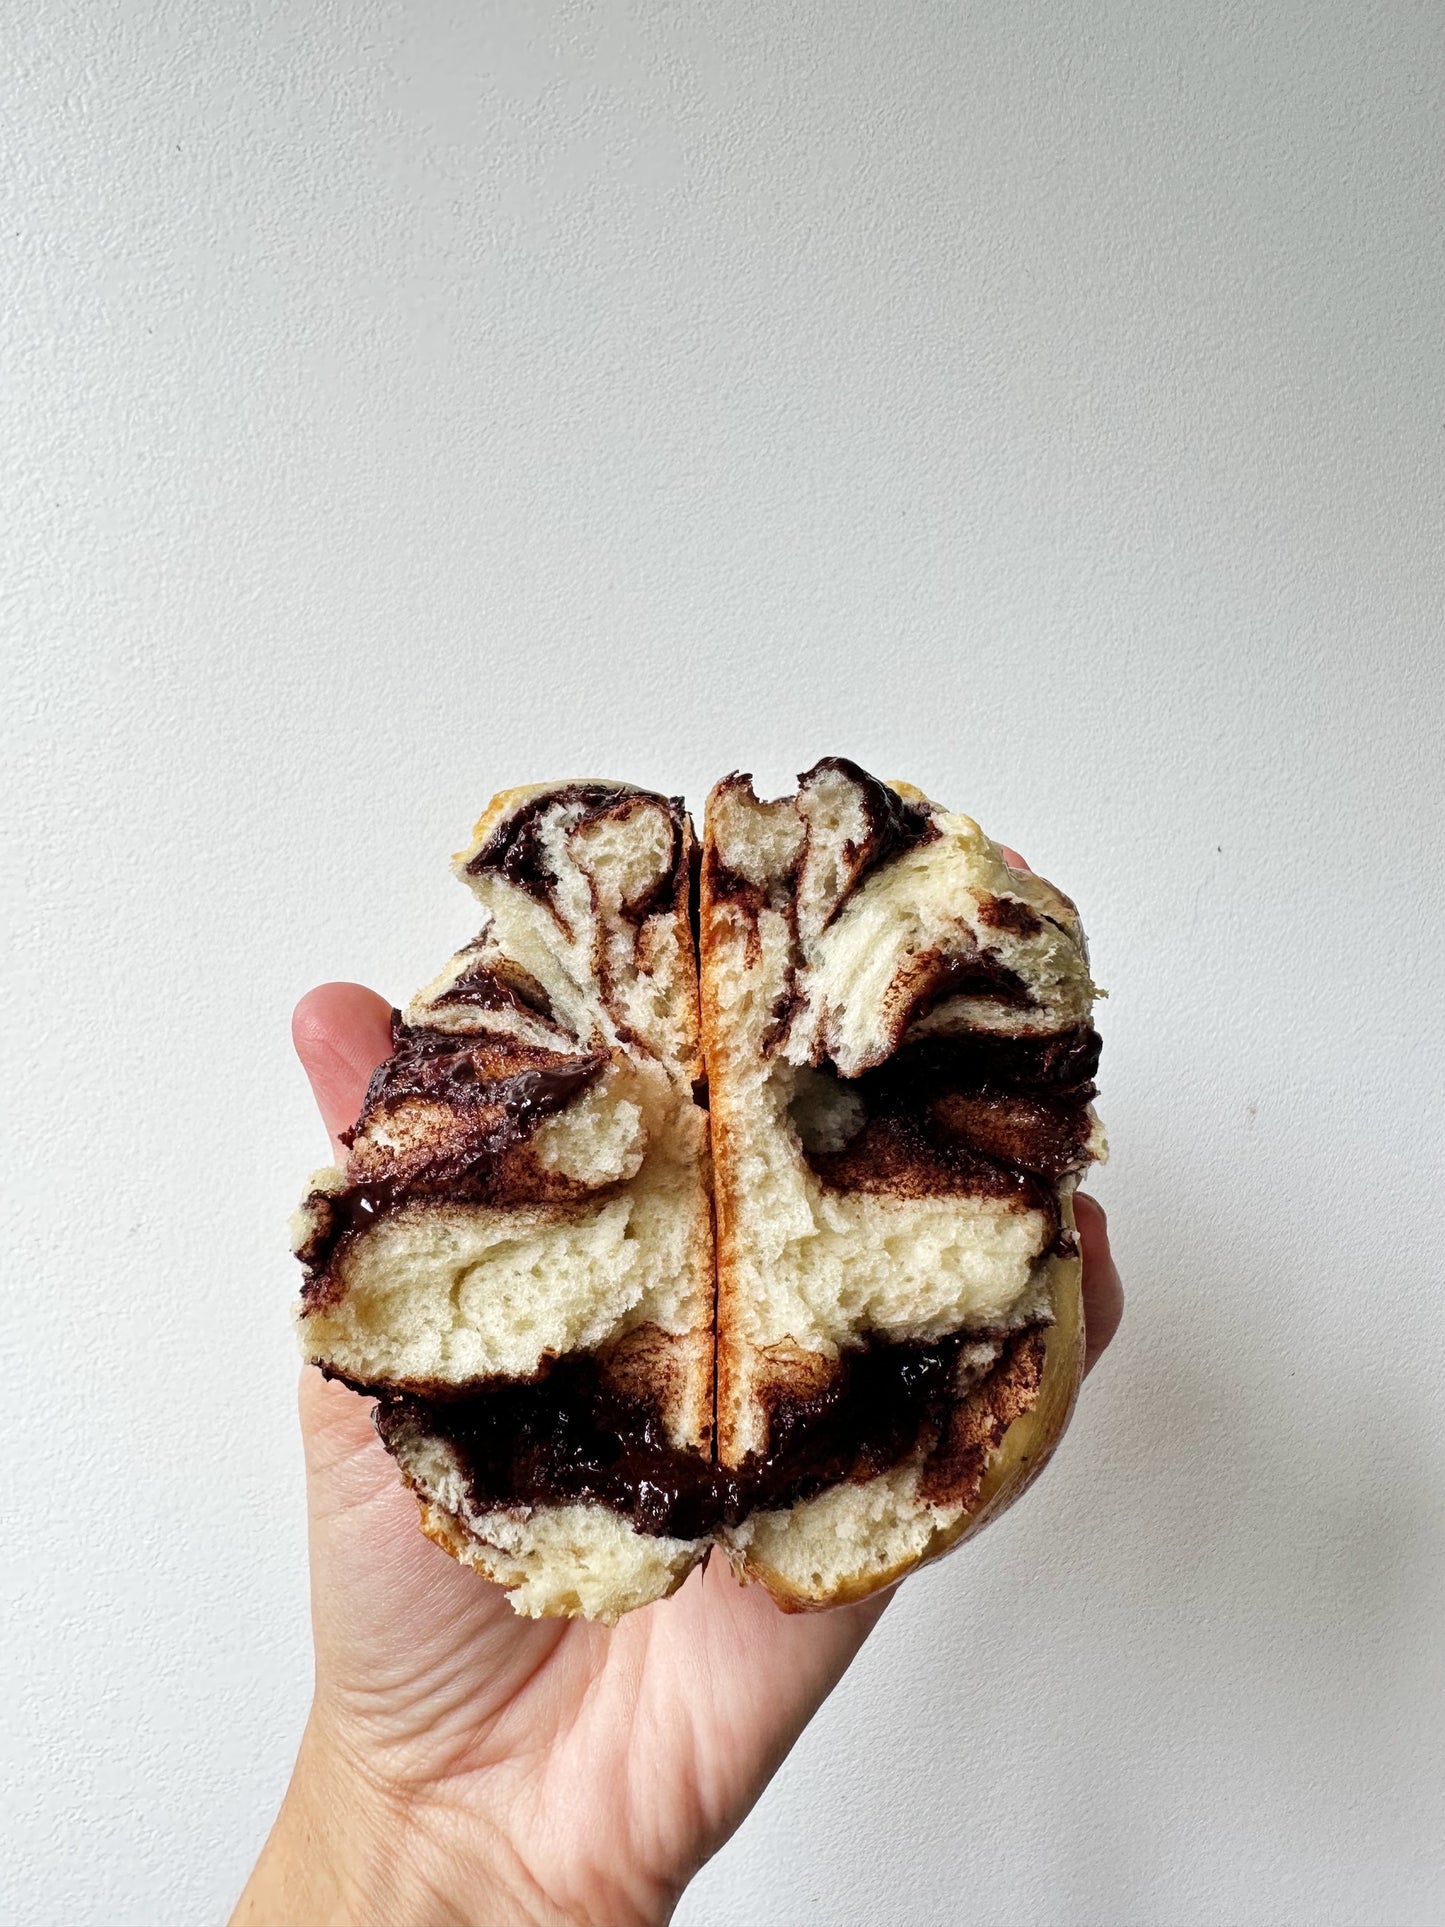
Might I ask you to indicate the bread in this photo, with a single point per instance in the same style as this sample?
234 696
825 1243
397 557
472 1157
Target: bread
517 1257
897 1030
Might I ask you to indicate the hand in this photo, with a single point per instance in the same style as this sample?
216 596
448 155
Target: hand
463 1765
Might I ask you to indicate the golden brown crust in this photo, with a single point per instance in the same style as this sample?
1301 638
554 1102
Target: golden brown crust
696 1060
718 921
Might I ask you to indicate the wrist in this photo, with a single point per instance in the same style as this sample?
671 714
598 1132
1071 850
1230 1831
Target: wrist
346 1852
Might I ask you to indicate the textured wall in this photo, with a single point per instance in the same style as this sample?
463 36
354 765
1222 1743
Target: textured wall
1042 402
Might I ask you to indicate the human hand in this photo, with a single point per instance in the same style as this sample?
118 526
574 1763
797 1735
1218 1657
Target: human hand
462 1764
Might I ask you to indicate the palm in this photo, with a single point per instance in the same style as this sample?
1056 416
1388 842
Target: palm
603 1765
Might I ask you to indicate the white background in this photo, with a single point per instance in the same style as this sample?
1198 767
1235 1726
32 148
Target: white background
1040 402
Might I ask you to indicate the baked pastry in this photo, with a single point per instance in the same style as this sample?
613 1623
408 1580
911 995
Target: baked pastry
516 1256
897 1030
517 1260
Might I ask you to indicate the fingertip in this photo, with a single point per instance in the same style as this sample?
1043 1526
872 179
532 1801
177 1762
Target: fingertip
338 1015
341 1033
1102 1289
1012 858
1092 1211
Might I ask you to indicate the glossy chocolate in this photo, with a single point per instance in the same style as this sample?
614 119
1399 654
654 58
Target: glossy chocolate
473 1072
981 1115
498 986
894 825
571 1437
515 849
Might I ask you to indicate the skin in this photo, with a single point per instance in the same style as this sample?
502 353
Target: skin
463 1765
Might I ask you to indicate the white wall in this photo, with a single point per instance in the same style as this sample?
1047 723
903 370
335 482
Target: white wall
1041 402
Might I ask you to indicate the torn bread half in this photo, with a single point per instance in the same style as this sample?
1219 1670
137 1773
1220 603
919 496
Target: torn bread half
516 1256
897 1026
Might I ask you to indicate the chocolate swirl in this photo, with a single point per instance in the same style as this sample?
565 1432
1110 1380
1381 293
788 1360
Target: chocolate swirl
572 1437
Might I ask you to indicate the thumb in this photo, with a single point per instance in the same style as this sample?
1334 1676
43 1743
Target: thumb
341 1033
345 1464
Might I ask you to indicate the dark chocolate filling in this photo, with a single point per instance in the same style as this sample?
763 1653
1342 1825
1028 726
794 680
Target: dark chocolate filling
499 987
476 1071
978 1114
971 1115
1008 913
572 1437
497 1090
894 826
977 974
515 850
